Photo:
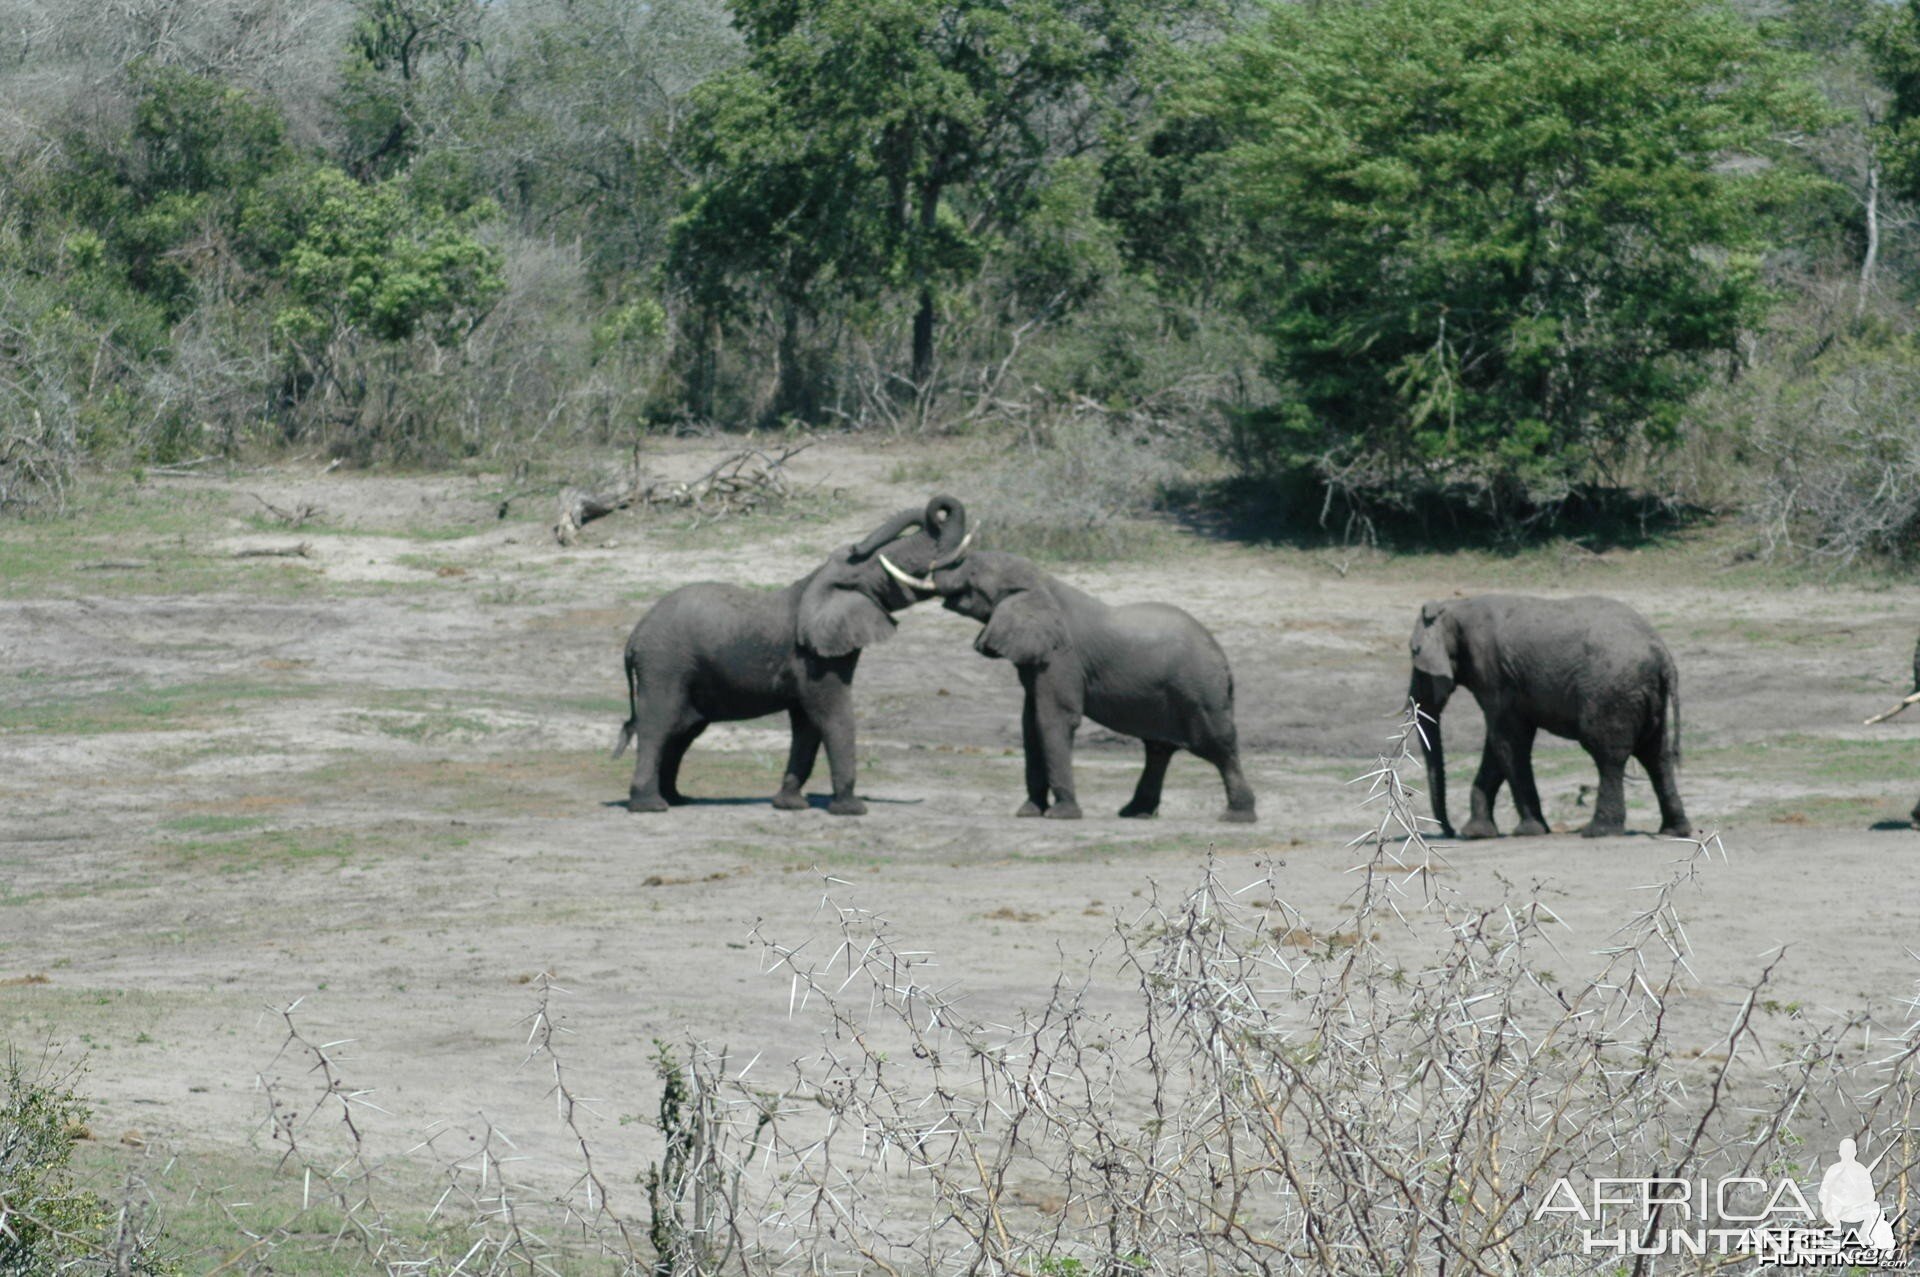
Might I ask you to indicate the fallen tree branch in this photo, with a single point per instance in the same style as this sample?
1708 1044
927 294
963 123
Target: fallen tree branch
304 550
738 483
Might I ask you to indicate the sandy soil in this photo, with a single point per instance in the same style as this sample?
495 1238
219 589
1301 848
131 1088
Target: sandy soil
375 779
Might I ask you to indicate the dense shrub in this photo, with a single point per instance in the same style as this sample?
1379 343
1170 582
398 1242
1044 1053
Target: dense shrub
1508 241
49 1223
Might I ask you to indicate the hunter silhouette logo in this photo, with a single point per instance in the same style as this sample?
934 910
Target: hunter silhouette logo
1847 1201
1736 1216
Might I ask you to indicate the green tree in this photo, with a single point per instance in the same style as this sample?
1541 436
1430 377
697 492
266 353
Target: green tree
369 264
879 147
54 1224
393 46
1511 235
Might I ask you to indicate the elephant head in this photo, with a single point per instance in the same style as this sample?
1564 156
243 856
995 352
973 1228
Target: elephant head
847 603
1024 622
1435 642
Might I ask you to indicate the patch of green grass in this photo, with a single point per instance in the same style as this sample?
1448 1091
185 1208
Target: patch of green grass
1812 759
211 1204
1828 811
64 1015
420 728
210 824
254 851
143 709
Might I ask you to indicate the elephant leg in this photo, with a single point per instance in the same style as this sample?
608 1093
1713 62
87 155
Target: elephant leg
1526 796
1222 749
652 730
1239 793
1486 788
800 758
1657 758
1146 794
1035 756
1057 717
1610 808
670 759
834 718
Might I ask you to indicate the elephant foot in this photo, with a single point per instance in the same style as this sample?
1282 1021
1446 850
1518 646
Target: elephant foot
1679 829
645 802
1064 811
1139 811
1031 808
676 799
1238 815
1478 829
1597 828
846 807
1530 828
790 800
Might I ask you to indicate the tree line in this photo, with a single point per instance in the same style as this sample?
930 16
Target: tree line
1379 255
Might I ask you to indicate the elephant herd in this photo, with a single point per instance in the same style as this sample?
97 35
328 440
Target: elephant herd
1589 669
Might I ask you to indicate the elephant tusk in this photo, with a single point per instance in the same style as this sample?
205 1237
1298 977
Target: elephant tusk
918 583
1881 718
959 551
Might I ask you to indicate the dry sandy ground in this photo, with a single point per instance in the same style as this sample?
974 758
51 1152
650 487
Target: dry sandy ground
376 779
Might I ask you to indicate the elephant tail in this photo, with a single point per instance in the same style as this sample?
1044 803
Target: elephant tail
628 728
1670 676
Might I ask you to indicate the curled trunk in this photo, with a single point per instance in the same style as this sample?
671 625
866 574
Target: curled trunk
888 532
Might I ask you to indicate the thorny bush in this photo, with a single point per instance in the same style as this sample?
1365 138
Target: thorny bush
1225 1087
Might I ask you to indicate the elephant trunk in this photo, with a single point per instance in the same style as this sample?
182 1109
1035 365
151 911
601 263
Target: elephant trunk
889 531
1429 699
946 522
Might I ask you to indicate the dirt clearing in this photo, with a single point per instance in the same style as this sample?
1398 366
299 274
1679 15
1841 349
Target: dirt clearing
373 776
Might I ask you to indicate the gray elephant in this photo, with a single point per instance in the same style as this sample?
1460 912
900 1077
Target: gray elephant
1589 669
710 653
1143 669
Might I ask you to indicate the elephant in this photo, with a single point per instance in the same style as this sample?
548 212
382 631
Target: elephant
1589 669
711 652
1143 669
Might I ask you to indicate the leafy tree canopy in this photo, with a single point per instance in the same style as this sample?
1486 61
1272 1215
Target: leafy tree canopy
876 146
1508 234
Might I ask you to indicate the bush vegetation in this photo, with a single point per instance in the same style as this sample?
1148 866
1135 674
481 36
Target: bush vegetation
1574 240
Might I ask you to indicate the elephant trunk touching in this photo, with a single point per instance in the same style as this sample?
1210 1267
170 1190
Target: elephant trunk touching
1429 696
946 522
889 531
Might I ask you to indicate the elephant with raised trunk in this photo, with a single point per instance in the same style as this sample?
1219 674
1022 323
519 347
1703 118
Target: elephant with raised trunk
713 653
1143 669
1589 669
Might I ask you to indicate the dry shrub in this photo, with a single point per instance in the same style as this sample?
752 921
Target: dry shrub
1078 484
1836 447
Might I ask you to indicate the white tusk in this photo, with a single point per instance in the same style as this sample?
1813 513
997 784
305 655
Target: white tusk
1881 718
959 551
918 583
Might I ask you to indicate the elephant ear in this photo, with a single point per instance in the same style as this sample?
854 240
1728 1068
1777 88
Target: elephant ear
836 619
1429 642
1025 628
